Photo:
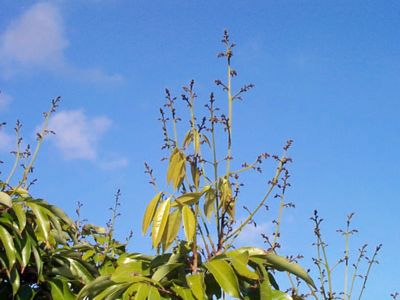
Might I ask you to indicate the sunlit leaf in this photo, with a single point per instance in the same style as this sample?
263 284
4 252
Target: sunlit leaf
189 223
150 211
159 222
196 284
8 244
5 199
224 275
172 228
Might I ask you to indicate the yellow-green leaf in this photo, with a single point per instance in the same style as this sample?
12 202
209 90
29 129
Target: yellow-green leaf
159 222
21 216
189 223
224 275
149 213
283 264
176 168
172 228
8 245
188 199
5 199
239 263
42 219
209 203
196 284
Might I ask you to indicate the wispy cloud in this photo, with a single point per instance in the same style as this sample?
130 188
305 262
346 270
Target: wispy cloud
37 40
112 164
77 135
251 235
7 141
5 100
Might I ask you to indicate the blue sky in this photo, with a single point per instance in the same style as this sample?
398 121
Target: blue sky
326 76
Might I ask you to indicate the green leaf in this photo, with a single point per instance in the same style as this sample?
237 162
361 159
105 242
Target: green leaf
172 228
8 244
21 216
42 219
90 290
142 292
60 290
184 293
5 199
283 264
239 263
224 275
15 280
164 270
159 222
189 223
196 284
149 213
38 262
153 294
26 252
79 270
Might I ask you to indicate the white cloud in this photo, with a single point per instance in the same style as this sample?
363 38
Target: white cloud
4 100
37 40
7 141
251 235
77 135
112 164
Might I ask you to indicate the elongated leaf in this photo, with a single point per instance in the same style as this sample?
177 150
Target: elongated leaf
112 292
189 223
176 168
172 228
164 270
15 280
188 199
5 199
8 244
160 221
224 275
209 203
38 262
154 294
93 288
26 252
42 219
60 290
21 216
239 263
78 269
196 284
182 292
283 264
150 211
142 292
278 295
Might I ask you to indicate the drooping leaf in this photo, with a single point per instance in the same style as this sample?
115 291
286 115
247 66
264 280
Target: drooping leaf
224 275
160 221
283 264
60 290
90 290
42 219
15 280
8 244
172 228
164 270
26 251
176 168
189 223
21 216
197 286
150 211
278 295
183 292
209 203
5 199
239 263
